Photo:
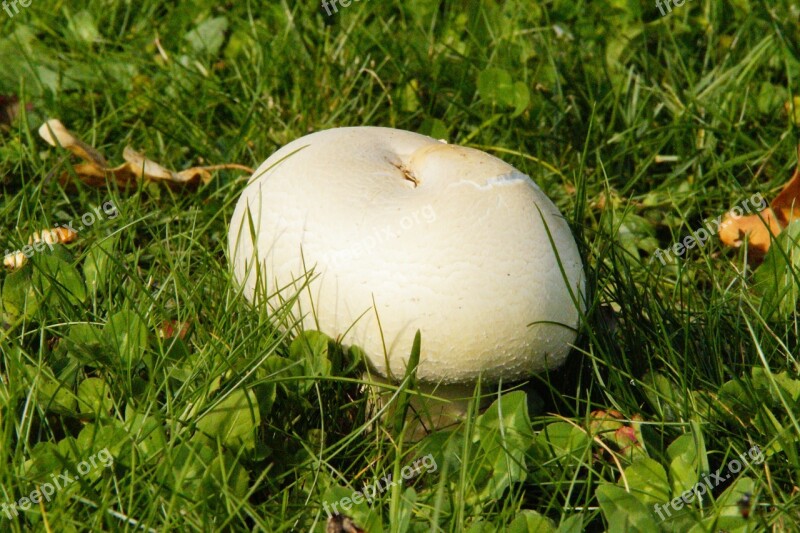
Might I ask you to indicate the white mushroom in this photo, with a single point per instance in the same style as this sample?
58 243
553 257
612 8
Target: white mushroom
406 233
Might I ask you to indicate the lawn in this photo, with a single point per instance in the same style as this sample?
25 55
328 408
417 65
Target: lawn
140 391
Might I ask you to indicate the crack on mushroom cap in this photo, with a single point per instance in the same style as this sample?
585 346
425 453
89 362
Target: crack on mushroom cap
503 180
407 174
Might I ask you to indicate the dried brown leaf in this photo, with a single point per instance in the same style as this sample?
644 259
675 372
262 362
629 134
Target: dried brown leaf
759 228
18 258
55 134
173 328
141 166
61 235
94 171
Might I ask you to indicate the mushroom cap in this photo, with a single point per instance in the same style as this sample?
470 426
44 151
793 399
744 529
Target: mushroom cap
382 232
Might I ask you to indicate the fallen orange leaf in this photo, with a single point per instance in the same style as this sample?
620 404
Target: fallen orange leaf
613 427
18 258
759 228
172 328
95 171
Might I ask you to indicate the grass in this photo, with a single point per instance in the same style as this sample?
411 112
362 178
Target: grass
638 126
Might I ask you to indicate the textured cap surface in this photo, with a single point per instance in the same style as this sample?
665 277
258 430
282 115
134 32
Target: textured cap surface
405 232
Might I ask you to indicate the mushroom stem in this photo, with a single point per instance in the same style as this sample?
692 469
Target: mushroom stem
431 406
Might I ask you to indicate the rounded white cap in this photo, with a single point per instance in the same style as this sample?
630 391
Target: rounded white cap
406 233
